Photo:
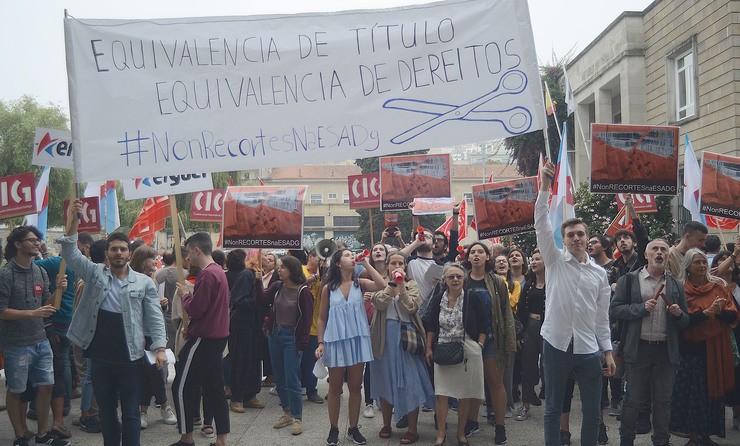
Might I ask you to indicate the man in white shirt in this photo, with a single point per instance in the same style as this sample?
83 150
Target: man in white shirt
576 326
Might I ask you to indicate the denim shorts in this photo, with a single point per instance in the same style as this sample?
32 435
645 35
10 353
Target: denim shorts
31 364
489 348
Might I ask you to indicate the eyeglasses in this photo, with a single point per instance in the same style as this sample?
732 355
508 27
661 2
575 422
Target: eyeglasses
32 240
438 240
455 277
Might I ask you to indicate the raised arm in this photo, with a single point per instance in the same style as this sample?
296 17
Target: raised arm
542 226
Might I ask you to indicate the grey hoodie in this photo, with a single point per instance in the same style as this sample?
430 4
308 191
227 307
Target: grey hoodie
22 289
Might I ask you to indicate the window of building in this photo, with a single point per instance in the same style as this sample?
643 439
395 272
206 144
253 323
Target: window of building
316 198
313 220
468 197
332 196
345 198
681 82
346 220
684 87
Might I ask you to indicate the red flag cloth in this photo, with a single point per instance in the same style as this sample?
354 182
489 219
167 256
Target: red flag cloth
446 227
621 221
462 221
151 219
726 224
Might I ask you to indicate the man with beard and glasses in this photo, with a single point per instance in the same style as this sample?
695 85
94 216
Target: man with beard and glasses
650 349
24 304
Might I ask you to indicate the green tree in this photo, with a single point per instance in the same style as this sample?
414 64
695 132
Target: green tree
18 122
432 222
598 211
525 149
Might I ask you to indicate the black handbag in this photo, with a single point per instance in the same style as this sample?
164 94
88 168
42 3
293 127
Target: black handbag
449 353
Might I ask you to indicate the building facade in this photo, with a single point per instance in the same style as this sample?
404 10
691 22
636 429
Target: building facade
675 63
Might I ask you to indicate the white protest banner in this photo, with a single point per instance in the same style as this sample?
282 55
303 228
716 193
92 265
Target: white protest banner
432 206
168 185
219 93
52 148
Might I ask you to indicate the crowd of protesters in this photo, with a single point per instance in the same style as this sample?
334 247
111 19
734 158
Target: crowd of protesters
647 330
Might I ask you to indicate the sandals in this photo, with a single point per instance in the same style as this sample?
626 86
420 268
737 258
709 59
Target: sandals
409 438
385 432
208 432
442 443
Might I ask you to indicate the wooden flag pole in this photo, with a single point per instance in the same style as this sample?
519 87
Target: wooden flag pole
370 216
56 299
177 243
721 235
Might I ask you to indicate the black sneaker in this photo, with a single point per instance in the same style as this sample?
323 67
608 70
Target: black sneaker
500 437
403 422
603 438
353 433
20 441
49 438
643 425
333 438
471 428
564 438
90 425
491 418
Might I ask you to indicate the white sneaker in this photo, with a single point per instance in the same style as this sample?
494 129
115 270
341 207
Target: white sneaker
144 420
369 411
168 415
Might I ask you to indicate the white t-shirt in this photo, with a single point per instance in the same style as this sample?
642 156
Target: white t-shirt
112 301
417 269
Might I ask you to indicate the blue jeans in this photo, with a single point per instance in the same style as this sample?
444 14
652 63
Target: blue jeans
61 353
308 379
87 390
286 368
558 366
28 364
112 381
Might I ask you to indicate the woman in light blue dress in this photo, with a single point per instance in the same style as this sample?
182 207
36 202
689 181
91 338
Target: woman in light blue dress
344 337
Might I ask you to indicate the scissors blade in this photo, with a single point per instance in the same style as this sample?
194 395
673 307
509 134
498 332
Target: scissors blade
419 129
418 106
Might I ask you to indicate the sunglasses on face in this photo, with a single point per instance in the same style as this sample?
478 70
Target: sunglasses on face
455 277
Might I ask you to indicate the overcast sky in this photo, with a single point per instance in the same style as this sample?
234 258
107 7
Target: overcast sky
32 36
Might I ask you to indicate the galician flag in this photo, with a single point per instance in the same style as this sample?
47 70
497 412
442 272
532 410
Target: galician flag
40 218
106 192
562 204
691 181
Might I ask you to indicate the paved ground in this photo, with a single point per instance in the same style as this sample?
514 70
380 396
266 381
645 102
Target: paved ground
255 428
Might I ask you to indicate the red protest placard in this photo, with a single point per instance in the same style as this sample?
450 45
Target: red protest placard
643 203
634 158
17 196
403 178
90 218
364 191
720 185
263 217
505 207
207 205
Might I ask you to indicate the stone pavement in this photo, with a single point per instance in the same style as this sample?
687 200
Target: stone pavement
255 427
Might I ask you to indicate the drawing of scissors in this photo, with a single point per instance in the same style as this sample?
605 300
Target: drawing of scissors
516 120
